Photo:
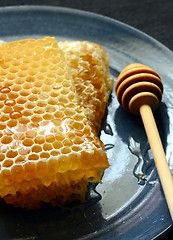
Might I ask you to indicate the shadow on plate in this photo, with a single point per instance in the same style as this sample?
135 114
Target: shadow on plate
70 222
131 131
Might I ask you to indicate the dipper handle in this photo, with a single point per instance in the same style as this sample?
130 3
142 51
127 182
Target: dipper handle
159 155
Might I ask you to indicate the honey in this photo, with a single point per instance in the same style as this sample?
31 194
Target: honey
89 66
48 146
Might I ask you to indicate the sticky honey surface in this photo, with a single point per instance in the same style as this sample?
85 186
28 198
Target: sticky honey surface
48 148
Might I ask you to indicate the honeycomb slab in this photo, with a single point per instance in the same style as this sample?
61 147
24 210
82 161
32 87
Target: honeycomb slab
89 66
49 150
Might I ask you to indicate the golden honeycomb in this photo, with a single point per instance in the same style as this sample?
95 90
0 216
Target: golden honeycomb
48 149
89 65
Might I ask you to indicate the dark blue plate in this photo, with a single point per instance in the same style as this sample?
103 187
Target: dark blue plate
132 204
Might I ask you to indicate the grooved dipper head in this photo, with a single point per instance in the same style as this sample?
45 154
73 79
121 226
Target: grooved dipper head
137 85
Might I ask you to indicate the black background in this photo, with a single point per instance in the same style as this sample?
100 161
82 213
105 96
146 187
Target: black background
153 17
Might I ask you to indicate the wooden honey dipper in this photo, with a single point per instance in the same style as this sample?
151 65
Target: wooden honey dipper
139 90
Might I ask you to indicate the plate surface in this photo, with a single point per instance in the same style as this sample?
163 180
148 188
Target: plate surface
132 205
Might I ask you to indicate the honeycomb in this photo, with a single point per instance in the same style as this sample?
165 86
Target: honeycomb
90 71
48 148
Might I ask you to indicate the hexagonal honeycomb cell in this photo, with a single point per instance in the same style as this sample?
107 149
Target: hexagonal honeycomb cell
48 146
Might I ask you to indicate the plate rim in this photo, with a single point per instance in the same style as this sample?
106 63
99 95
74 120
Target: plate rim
84 13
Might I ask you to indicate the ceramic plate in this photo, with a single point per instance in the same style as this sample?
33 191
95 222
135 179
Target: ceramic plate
129 204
